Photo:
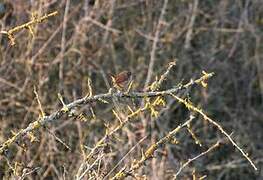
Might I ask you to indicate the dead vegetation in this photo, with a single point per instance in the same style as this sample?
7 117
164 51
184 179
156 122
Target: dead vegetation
193 109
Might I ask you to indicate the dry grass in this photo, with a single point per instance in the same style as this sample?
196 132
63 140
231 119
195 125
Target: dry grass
61 118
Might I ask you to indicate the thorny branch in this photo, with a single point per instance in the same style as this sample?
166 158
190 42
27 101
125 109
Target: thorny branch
149 153
109 133
88 99
219 127
216 145
28 25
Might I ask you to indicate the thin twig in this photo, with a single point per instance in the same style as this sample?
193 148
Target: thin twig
90 167
200 111
86 100
28 25
196 157
125 156
154 45
63 44
109 29
149 152
189 33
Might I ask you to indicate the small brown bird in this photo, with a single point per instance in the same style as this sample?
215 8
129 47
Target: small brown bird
122 80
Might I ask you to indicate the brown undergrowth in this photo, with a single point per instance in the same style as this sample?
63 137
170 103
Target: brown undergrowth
191 111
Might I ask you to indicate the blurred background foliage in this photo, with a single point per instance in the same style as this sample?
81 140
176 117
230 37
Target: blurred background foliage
96 38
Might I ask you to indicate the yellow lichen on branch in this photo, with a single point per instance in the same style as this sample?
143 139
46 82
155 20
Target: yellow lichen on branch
190 106
10 33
